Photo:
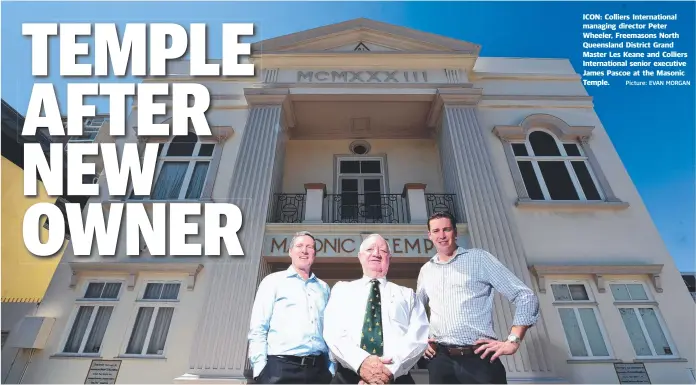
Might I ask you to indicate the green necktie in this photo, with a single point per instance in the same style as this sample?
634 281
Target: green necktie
371 340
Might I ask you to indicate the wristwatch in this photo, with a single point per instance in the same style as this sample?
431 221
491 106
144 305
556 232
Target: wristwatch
514 339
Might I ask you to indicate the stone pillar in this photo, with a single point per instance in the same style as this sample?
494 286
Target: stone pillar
314 202
415 194
467 159
219 349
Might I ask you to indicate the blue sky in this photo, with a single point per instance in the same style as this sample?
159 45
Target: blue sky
653 129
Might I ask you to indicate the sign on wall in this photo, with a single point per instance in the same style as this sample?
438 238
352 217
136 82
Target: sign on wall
633 373
277 245
103 372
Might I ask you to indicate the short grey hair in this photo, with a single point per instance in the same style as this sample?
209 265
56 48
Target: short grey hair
301 234
375 235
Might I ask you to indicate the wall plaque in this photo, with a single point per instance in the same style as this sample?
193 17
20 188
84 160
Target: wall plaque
634 373
103 372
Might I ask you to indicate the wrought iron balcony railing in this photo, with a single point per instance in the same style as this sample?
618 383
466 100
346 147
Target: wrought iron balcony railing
441 202
365 208
288 208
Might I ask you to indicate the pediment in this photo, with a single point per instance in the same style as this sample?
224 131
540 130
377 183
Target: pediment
368 36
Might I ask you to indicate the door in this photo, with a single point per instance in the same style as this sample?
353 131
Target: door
361 190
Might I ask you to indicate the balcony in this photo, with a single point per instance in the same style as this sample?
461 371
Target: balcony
413 206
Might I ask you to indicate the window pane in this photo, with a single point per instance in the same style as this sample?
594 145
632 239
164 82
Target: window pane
652 325
572 332
206 149
200 171
160 330
153 291
182 145
571 149
137 338
370 167
558 181
94 290
170 179
530 180
578 293
350 167
620 292
635 333
593 333
171 291
72 345
561 292
96 335
588 186
543 144
111 290
519 149
637 292
349 185
372 185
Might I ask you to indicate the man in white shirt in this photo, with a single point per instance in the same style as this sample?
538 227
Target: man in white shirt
376 330
285 336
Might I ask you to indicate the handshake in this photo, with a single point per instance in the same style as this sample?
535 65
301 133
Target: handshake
374 371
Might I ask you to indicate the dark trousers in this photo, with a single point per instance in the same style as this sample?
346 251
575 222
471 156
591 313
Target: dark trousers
465 369
291 370
347 376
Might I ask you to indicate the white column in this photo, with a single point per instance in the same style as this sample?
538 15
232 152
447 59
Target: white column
220 344
415 195
314 202
467 160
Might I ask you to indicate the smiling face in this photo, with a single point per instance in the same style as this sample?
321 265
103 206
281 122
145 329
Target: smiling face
303 252
374 257
443 235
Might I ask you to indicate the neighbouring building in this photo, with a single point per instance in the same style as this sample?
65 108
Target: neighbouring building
25 277
362 127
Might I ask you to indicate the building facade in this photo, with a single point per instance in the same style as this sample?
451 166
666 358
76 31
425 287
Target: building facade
362 127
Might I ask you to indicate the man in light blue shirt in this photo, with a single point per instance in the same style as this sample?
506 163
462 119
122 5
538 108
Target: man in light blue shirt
287 321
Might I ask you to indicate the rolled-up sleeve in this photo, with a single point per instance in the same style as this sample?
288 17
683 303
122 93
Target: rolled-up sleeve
508 284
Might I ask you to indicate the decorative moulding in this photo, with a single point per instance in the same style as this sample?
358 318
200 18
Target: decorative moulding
598 271
571 205
560 128
132 269
452 97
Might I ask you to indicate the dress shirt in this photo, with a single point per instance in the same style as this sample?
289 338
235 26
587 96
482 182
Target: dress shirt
460 296
405 324
287 318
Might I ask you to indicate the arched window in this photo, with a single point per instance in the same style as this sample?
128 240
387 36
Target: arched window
182 168
554 170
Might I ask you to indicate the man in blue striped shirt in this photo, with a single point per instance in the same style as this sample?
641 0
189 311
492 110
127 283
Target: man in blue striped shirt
458 285
286 343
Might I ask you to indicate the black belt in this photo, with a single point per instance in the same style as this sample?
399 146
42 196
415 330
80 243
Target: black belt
457 350
303 360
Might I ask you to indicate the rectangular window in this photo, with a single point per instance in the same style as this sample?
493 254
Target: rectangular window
92 318
583 331
642 322
182 169
151 327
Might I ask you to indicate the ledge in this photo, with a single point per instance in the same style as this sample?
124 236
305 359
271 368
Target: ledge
598 271
649 360
594 361
134 268
571 205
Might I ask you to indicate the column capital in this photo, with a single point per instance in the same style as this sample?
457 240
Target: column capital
468 97
264 97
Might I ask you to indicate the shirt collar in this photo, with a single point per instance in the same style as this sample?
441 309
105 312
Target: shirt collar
459 251
291 272
366 280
